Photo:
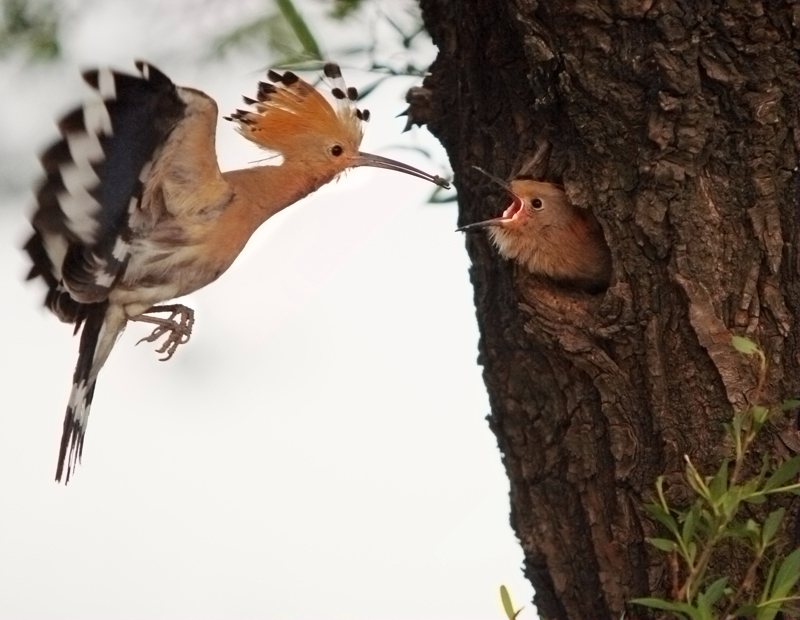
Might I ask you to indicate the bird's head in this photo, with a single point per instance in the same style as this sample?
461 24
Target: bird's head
293 118
535 206
544 231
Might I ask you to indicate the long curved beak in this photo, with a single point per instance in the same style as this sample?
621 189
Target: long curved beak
376 161
495 221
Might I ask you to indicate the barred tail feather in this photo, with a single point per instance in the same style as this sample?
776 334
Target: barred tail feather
100 330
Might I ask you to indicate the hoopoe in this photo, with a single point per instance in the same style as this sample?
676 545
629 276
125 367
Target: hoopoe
543 231
134 211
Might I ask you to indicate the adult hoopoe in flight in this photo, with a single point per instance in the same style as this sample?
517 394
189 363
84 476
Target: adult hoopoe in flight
134 211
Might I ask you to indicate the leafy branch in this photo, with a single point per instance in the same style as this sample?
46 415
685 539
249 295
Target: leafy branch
697 533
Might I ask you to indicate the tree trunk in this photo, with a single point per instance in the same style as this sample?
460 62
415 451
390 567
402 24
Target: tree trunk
675 123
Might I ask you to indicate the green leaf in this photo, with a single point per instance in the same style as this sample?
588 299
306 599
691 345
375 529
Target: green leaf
661 498
508 607
771 525
707 517
748 610
750 488
744 345
730 504
747 531
690 523
787 575
660 603
760 414
768 582
768 610
664 544
666 519
790 404
788 470
770 604
715 591
719 485
753 532
706 600
695 480
299 27
794 489
691 548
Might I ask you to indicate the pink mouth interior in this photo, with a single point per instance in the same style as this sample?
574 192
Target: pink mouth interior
513 210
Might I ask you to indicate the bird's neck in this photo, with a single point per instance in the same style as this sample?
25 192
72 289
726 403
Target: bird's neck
258 194
263 191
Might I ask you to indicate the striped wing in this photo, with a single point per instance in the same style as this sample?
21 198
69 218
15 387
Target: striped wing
94 179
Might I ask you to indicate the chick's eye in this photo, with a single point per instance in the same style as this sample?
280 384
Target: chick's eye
537 203
336 150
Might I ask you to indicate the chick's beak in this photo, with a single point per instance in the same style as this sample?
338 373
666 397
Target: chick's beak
495 221
508 215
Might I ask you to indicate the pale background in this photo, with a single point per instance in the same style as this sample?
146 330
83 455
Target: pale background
319 448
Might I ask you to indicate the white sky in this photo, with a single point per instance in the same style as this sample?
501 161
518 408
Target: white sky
319 448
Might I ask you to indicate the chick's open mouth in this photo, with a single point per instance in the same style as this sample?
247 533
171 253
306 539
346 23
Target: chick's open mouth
513 210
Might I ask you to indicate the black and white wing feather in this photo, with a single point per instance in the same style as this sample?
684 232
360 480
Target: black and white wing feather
94 181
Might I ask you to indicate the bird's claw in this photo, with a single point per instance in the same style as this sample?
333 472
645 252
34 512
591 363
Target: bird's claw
178 325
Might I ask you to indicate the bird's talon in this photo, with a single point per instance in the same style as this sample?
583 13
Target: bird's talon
177 327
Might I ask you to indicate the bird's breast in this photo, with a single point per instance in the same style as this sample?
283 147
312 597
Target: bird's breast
159 270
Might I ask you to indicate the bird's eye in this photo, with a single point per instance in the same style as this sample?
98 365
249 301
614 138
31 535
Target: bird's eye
336 150
537 204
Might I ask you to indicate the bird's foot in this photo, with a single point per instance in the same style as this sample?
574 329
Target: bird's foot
178 325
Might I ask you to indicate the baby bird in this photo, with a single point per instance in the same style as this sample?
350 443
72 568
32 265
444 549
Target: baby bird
549 236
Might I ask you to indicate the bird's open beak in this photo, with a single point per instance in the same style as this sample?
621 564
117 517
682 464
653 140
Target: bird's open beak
513 211
508 214
495 221
376 161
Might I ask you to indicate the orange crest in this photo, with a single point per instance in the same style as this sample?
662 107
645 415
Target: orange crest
290 111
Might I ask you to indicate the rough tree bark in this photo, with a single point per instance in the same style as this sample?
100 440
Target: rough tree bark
675 122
